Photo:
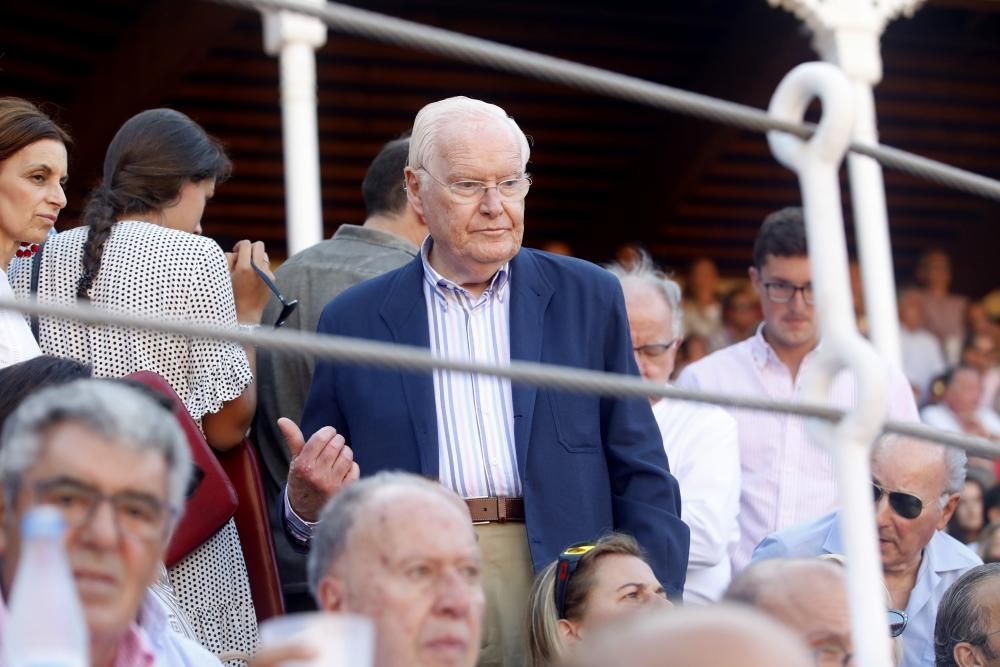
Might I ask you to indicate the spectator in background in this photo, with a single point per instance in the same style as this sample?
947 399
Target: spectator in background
944 312
700 439
968 622
967 523
388 239
17 381
989 543
628 253
702 310
959 411
740 317
916 487
699 637
991 504
921 350
786 479
980 352
596 584
557 247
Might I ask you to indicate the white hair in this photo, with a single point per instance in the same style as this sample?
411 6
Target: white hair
436 116
125 415
644 270
954 460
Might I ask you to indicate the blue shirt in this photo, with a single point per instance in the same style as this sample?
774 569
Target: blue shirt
945 559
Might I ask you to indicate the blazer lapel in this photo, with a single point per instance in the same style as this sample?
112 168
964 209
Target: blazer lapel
404 311
530 293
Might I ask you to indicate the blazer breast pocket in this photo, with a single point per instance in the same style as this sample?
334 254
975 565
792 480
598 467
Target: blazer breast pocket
578 421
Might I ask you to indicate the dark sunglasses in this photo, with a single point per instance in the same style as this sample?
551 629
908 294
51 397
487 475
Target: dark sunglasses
897 622
566 566
287 307
904 504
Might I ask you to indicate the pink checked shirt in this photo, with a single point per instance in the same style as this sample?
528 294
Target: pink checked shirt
785 478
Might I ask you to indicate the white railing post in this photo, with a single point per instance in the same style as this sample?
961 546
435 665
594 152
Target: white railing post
847 33
294 38
816 162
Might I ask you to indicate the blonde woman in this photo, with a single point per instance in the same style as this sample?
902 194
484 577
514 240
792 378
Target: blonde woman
588 586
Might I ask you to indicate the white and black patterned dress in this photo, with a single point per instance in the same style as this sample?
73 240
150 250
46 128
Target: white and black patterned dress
164 274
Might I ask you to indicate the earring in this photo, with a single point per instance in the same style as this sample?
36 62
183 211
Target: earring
26 249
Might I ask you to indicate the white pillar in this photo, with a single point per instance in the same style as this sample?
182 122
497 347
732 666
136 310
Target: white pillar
294 38
847 34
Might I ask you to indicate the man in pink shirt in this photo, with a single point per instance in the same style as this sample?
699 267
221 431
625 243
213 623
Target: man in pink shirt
785 478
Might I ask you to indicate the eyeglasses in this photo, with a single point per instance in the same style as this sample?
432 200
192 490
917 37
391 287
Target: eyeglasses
287 307
140 515
905 505
467 192
654 350
566 566
897 621
785 292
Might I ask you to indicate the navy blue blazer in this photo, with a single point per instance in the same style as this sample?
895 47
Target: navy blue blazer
588 464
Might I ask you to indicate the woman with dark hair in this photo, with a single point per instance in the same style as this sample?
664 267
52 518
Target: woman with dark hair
140 251
32 175
19 380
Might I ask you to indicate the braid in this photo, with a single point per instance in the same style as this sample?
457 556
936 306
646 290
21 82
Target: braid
99 216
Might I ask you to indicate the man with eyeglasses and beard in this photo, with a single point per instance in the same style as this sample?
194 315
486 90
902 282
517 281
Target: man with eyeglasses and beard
916 487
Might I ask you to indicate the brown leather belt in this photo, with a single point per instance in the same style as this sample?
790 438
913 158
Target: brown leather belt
495 509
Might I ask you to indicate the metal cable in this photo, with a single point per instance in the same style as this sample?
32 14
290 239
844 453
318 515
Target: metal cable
388 29
406 357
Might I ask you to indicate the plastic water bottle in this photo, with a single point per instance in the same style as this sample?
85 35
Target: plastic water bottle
45 625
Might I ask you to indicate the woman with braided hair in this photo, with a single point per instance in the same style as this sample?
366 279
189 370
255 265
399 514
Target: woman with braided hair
140 251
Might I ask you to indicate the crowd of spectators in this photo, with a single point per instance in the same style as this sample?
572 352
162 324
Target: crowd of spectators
472 520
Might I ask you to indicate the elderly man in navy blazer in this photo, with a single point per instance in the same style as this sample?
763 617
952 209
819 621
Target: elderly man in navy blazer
540 469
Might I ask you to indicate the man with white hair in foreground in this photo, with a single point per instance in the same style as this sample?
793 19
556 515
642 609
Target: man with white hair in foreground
401 550
916 486
74 447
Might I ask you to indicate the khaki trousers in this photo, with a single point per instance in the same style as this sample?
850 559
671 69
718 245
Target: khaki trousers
507 577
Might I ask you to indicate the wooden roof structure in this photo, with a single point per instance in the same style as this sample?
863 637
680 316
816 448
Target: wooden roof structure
606 171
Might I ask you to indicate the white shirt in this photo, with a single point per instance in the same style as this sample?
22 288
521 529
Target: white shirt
16 342
940 416
923 359
703 452
786 479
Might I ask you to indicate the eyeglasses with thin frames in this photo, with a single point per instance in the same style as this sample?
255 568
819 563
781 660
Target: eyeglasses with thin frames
781 292
468 191
287 307
140 515
653 350
904 504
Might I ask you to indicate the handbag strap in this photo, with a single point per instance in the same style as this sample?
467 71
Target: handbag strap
36 269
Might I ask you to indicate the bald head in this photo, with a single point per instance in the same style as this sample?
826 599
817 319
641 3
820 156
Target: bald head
806 595
697 637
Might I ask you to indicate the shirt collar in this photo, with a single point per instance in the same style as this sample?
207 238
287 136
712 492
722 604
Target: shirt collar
763 353
441 287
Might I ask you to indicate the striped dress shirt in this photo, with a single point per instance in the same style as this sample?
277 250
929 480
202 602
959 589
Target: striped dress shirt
786 479
475 414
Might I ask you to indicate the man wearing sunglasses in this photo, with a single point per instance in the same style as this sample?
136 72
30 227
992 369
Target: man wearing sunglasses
915 489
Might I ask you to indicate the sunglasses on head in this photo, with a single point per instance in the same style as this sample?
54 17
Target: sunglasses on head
565 567
287 307
905 505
